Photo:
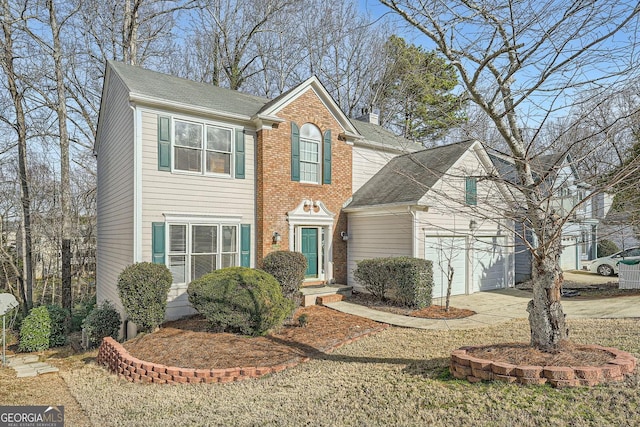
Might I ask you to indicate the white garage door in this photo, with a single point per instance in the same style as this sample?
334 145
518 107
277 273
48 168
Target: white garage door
489 263
568 257
443 251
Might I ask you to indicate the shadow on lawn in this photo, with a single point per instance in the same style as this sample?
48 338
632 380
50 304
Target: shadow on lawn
427 368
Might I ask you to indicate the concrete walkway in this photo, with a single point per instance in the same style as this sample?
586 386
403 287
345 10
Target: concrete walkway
29 365
495 307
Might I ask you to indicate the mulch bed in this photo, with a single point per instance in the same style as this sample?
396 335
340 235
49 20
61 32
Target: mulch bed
569 354
187 342
431 312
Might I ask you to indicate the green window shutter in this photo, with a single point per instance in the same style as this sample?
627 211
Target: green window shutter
295 152
245 245
240 157
326 175
164 143
471 191
157 242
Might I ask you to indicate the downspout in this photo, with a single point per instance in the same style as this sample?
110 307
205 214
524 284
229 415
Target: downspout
414 232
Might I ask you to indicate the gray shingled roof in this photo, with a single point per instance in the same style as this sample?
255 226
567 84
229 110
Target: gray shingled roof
165 87
382 137
405 179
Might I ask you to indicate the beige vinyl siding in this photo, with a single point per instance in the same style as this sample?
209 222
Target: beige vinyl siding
367 162
115 163
378 236
180 193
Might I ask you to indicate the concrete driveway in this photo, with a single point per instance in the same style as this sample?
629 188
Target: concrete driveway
499 306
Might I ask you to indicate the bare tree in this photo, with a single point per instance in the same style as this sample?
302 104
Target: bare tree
523 63
8 60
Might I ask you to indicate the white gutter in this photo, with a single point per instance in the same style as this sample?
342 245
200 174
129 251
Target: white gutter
134 97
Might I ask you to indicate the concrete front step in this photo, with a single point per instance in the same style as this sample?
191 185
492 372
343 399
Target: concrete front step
311 295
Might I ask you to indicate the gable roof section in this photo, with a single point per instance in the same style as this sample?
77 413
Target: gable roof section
379 137
158 88
272 108
407 178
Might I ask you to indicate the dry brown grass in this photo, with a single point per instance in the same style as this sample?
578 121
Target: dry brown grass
397 377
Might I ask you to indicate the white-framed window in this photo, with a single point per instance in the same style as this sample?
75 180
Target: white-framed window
202 148
310 143
198 249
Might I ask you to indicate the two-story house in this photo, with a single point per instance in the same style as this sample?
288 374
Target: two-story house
199 178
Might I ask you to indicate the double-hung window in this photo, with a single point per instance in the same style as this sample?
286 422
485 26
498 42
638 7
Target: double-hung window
310 139
198 249
202 148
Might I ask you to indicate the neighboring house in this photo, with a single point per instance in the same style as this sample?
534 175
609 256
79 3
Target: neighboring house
199 177
617 227
437 204
570 198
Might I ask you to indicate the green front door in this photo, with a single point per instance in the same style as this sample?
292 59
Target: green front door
310 250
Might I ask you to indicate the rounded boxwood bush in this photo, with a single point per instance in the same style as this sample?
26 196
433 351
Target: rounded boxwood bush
58 316
288 268
35 330
143 289
103 321
240 300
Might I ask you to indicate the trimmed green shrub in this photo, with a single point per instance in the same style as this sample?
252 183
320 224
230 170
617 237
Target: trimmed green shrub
58 316
404 280
143 289
81 310
288 268
606 248
373 274
103 321
240 300
35 330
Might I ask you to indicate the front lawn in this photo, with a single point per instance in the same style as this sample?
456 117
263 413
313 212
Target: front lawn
397 377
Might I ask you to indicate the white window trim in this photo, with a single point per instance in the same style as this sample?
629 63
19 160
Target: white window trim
203 149
320 154
190 222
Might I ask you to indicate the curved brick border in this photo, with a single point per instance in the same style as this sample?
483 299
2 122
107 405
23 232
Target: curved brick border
473 369
118 360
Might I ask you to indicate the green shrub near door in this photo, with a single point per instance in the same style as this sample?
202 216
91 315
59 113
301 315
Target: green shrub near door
240 300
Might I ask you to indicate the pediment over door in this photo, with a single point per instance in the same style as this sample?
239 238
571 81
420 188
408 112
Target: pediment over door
311 212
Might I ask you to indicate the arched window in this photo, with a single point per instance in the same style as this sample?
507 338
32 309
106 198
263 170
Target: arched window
310 138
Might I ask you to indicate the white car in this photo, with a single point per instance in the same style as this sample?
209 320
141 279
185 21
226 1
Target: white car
608 265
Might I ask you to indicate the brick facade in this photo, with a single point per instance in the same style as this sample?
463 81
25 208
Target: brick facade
277 194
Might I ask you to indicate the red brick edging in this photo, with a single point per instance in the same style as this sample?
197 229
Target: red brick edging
465 366
118 360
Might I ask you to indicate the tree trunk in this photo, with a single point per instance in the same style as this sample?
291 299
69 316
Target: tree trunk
449 284
20 125
546 317
65 183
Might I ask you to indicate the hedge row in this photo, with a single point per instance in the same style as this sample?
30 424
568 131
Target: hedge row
404 280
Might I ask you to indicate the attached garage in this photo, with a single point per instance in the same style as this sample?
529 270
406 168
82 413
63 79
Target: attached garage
444 251
429 204
490 262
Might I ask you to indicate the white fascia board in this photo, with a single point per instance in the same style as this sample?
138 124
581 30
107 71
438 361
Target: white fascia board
265 122
171 105
314 84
